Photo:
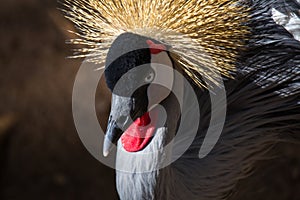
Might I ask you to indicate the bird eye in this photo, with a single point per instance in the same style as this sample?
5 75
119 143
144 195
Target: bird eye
149 77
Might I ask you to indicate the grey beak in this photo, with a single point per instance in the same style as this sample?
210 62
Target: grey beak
119 121
113 133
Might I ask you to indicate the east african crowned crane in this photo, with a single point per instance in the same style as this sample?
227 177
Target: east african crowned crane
259 61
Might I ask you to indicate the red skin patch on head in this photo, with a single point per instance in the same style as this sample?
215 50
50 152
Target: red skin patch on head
156 48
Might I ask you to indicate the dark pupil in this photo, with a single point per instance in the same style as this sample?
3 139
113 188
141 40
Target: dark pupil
149 77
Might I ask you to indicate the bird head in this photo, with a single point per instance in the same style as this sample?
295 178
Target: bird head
130 36
131 71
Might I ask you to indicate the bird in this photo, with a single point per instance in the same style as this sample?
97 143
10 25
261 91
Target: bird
217 59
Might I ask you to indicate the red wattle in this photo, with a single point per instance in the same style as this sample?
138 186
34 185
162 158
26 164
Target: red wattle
143 120
139 134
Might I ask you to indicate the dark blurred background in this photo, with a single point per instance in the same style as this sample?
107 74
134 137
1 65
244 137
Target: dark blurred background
41 155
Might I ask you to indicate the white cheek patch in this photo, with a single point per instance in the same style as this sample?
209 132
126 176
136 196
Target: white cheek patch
290 22
161 86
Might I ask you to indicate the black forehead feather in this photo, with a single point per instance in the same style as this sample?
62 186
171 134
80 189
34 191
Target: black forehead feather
126 52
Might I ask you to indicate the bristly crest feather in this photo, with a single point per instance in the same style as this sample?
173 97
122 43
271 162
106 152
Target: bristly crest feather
204 36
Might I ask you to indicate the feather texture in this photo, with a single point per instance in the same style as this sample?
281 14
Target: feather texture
263 99
206 39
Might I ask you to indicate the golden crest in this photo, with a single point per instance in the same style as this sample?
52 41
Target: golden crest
205 36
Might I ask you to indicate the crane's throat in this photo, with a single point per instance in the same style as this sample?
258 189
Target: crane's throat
139 134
